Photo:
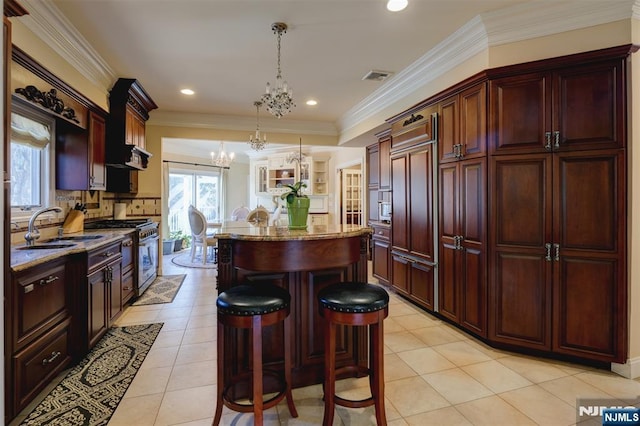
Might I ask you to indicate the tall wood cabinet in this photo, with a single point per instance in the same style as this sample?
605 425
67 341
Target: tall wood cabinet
558 209
462 271
412 248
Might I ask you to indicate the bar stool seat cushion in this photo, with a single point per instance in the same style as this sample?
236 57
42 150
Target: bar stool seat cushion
354 297
250 300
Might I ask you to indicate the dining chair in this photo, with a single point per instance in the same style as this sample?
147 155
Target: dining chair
199 236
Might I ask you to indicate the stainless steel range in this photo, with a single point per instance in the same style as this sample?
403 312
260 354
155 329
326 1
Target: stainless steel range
146 256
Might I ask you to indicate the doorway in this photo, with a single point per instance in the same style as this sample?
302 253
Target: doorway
351 200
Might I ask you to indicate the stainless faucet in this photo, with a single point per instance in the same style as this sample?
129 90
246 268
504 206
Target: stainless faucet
32 232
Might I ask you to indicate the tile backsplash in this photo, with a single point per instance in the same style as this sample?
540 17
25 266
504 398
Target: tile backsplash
100 205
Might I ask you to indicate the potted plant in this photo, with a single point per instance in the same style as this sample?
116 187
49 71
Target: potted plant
180 240
297 205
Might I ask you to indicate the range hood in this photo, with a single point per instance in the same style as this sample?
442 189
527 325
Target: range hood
130 157
129 106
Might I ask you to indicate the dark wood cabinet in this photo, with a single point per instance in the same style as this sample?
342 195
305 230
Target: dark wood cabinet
38 342
578 107
97 146
558 226
412 239
128 268
462 283
381 250
122 180
373 166
103 296
384 158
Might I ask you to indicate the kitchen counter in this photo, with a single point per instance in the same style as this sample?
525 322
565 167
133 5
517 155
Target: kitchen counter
303 262
24 259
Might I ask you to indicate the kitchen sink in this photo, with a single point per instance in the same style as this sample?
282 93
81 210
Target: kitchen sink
74 238
46 246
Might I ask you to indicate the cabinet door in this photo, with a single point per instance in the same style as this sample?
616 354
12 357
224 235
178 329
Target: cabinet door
97 169
400 218
373 166
472 220
114 283
449 258
589 106
448 125
520 222
420 196
385 163
400 274
422 281
473 121
520 113
590 308
381 259
98 320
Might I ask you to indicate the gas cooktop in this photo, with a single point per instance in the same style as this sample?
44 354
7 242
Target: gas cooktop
119 223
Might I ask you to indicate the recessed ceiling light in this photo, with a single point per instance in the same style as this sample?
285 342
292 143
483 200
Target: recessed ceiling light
396 5
312 102
187 92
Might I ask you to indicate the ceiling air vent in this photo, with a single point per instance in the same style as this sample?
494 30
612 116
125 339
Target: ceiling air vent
377 75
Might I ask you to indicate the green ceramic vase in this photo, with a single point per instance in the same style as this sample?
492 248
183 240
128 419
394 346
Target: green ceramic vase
298 210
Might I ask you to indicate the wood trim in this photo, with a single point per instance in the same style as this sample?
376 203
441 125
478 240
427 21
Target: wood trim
20 57
13 8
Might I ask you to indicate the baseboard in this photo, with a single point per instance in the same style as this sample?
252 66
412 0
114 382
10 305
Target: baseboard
630 369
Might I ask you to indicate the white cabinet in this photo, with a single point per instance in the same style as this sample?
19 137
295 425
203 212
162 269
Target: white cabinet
320 177
261 170
270 175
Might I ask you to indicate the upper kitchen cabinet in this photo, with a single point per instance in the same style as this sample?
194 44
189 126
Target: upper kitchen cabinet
129 110
97 169
384 158
462 129
569 107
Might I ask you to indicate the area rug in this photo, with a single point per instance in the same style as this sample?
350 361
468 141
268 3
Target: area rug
162 290
185 260
92 390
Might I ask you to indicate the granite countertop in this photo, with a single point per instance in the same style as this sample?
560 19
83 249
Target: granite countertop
247 231
24 259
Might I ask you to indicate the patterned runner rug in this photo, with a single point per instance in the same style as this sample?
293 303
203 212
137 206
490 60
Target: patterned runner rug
162 290
92 390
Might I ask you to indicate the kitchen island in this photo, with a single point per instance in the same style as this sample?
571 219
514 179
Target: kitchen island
304 262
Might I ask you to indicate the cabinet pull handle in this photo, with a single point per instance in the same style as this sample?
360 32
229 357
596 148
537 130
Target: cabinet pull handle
49 280
547 139
126 288
460 154
556 139
127 243
557 250
108 254
547 247
53 357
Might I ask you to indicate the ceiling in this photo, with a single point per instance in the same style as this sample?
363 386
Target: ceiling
226 52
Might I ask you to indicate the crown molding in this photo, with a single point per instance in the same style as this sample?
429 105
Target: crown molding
53 28
232 122
508 25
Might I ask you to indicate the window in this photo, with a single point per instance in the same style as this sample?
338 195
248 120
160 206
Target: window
31 157
199 188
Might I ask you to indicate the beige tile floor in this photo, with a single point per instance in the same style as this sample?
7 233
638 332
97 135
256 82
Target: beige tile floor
434 374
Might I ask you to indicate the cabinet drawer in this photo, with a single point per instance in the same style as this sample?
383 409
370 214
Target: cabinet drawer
35 366
419 127
102 256
41 300
127 286
380 233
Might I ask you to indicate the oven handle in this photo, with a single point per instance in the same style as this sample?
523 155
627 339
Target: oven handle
149 240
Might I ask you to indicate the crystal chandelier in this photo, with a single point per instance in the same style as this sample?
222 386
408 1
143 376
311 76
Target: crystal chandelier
278 99
221 158
257 142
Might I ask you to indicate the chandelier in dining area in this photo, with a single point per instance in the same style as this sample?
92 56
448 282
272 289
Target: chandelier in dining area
258 141
278 99
221 158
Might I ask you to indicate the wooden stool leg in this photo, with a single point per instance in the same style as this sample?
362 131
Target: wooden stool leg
257 371
376 373
287 365
329 372
220 384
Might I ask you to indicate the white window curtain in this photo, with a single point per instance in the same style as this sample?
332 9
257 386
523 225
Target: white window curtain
29 132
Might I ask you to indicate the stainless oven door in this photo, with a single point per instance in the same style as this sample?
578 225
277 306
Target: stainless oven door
148 263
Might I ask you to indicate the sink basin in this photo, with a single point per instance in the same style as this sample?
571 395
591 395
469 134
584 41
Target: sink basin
74 238
46 246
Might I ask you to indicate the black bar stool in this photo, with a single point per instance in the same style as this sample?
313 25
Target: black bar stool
354 304
253 307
